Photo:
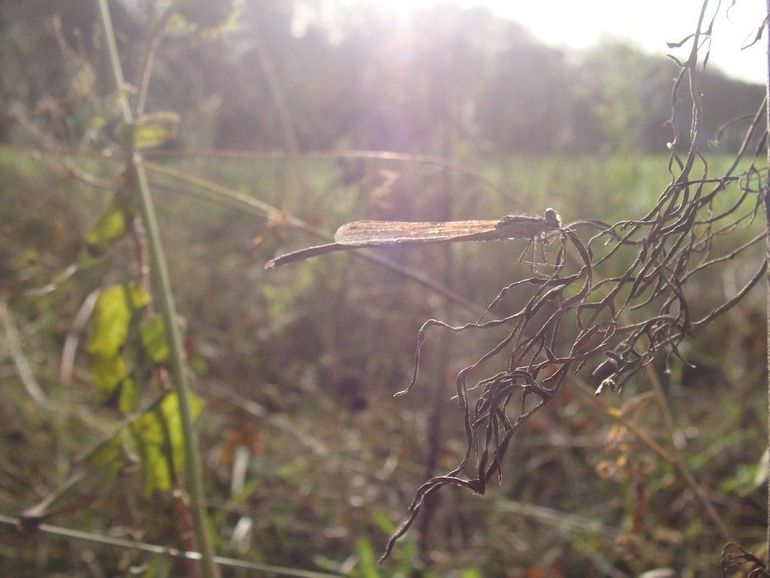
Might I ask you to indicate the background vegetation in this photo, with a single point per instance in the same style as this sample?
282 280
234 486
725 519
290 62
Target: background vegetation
309 461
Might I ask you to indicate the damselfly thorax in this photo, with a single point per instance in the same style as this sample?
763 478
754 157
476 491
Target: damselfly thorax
361 234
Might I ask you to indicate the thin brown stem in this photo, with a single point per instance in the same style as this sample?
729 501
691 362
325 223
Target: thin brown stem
246 202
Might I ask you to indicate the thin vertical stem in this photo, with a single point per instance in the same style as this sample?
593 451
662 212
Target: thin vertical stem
439 395
440 102
766 199
162 286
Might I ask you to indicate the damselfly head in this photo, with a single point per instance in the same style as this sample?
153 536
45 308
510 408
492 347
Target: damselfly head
552 218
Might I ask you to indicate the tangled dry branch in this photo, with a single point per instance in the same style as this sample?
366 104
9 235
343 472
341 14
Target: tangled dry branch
582 314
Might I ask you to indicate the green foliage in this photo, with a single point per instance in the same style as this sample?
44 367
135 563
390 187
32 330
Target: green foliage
110 227
288 342
506 87
402 566
110 376
333 301
110 458
115 311
154 129
154 340
624 114
112 315
159 441
367 560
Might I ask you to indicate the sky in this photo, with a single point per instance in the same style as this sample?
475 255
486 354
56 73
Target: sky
646 24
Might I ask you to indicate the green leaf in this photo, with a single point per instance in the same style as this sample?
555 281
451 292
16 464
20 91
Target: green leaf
367 560
109 228
155 129
154 342
160 442
129 396
112 316
112 457
107 372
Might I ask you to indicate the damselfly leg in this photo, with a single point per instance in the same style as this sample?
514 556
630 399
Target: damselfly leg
536 254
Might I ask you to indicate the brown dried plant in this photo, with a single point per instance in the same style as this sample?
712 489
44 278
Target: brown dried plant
577 315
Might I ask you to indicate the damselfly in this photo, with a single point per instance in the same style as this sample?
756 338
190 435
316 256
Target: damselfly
360 234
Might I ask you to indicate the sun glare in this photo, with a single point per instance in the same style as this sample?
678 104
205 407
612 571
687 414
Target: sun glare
647 25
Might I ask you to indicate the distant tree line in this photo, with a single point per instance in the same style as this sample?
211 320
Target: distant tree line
361 81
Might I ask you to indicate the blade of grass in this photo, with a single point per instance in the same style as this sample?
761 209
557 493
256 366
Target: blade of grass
90 537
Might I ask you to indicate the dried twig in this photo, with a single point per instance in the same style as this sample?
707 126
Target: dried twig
565 321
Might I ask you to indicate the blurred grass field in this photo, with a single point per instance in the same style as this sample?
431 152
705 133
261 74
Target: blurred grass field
326 343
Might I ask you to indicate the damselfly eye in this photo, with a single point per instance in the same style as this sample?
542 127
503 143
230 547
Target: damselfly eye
552 218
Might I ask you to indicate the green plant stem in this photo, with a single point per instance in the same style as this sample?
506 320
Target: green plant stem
162 286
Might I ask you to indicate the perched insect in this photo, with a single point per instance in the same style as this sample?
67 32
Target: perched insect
361 234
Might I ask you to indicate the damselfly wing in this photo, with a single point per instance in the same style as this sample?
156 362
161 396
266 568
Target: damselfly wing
360 234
